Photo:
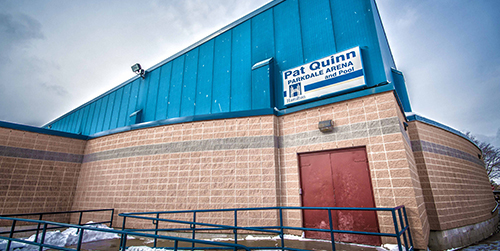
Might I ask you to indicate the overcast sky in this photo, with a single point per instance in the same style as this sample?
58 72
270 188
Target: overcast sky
57 55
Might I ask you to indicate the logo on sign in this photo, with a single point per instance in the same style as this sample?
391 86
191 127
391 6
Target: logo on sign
335 73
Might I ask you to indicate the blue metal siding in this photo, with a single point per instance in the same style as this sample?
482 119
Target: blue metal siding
134 93
358 15
102 114
189 84
109 111
205 77
215 75
163 91
262 37
317 29
123 115
174 100
288 43
88 126
152 95
116 109
241 66
222 73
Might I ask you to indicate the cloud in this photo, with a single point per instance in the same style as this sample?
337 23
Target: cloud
57 89
17 30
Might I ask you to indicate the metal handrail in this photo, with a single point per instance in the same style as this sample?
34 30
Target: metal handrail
123 234
496 207
37 229
398 214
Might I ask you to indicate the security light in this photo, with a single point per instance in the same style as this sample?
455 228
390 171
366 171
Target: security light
138 70
326 126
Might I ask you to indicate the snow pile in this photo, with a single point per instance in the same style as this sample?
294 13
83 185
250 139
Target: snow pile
68 237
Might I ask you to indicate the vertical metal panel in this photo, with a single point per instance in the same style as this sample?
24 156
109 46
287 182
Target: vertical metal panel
67 122
134 93
261 84
95 117
317 29
174 102
262 37
288 43
78 126
116 109
163 90
109 111
204 83
88 125
63 123
150 109
241 66
84 121
142 95
189 83
74 120
222 73
354 26
102 114
123 116
262 49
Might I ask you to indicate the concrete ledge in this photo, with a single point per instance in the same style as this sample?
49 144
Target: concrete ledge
462 236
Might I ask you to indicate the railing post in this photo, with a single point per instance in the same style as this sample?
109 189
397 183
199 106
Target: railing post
38 228
331 228
42 240
80 238
194 229
124 236
112 215
11 235
395 220
406 220
281 230
235 229
80 219
124 242
403 228
156 229
176 244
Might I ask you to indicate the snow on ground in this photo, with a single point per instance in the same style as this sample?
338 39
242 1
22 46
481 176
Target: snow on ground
62 239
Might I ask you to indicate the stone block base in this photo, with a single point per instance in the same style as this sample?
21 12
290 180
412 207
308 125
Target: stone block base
462 236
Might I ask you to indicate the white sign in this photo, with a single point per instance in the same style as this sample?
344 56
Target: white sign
335 73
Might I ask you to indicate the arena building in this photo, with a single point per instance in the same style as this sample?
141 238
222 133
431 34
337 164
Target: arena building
299 103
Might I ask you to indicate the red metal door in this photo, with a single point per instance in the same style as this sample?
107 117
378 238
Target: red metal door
338 178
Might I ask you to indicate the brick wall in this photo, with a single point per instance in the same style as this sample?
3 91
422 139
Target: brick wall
455 185
200 165
372 121
38 172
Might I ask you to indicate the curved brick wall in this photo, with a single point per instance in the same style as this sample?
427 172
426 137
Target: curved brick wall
455 185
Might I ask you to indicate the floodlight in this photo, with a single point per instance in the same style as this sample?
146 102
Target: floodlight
138 70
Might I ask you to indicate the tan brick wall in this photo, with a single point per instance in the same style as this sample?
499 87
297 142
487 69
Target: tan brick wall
37 173
455 185
194 169
392 166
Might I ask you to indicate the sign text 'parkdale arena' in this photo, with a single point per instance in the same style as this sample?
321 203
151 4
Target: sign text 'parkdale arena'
335 73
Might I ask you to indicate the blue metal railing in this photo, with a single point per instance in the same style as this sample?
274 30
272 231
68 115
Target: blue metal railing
124 234
399 216
40 218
